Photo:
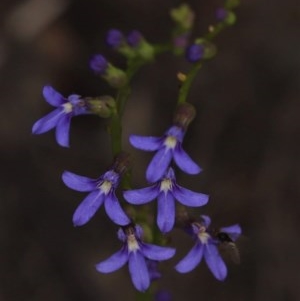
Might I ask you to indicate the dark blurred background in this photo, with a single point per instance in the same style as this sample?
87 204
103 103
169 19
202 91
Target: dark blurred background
246 137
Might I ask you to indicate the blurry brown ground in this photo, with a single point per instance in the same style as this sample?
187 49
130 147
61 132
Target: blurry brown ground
246 137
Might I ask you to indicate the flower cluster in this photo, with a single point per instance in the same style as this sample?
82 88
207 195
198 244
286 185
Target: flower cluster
141 252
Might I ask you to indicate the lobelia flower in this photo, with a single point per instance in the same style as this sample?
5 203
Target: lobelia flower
166 191
102 190
136 253
60 118
207 246
114 38
168 147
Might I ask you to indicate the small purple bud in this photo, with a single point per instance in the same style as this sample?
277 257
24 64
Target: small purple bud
194 53
221 14
134 38
98 64
114 38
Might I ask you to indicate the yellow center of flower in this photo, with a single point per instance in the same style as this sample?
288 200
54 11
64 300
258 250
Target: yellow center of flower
105 187
203 235
170 142
165 185
68 107
132 243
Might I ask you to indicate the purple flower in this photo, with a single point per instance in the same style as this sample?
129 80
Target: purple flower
134 38
98 64
221 14
207 246
102 190
114 38
135 253
166 191
60 118
194 53
168 147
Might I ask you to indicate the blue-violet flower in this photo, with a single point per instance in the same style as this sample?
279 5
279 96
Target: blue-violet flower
98 64
60 118
135 252
114 38
102 190
168 147
194 53
207 246
166 191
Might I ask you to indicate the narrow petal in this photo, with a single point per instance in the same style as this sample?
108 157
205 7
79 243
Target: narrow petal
78 183
206 220
191 260
141 196
62 130
145 143
115 211
233 231
88 207
157 253
47 122
53 97
214 261
165 212
138 271
184 161
188 197
114 262
158 165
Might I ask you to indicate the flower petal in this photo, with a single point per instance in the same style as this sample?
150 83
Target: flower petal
114 262
156 252
188 197
191 260
88 207
78 183
115 211
145 143
158 165
47 122
138 271
53 97
206 220
165 212
233 231
184 161
141 196
62 130
214 261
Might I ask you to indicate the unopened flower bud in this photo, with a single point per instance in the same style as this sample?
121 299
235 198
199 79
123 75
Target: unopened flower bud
102 106
114 38
121 163
184 16
98 64
184 115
